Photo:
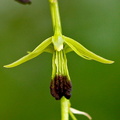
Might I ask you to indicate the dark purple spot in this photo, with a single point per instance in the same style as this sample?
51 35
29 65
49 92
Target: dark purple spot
24 1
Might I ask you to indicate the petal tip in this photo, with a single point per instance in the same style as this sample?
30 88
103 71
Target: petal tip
110 62
6 66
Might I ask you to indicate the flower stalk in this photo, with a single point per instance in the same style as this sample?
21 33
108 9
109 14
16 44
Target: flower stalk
55 17
64 109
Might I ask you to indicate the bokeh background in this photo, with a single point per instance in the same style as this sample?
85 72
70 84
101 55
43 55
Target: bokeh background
24 90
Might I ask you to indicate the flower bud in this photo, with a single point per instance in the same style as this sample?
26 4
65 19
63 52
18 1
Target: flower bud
24 1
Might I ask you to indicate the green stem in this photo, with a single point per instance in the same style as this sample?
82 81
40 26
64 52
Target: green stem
64 109
72 115
55 17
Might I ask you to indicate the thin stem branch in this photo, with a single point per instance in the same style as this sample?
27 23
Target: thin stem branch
72 115
64 109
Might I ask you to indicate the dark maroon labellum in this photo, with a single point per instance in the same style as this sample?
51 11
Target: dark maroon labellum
24 1
60 87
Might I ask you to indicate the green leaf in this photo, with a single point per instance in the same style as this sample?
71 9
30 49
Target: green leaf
37 51
83 52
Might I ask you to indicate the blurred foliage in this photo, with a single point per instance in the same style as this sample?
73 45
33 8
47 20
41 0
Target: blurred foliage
24 90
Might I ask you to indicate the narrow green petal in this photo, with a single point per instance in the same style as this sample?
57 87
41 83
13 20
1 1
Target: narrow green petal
83 52
37 51
67 49
49 49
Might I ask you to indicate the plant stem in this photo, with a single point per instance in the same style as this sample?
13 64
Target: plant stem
64 109
72 115
58 32
55 17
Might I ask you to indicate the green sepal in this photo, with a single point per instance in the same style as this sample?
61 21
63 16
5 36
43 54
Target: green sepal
37 51
83 52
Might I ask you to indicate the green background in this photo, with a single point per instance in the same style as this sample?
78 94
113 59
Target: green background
24 90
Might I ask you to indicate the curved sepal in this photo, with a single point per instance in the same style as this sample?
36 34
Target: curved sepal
37 51
83 52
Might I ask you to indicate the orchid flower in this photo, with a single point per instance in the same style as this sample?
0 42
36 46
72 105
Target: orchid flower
59 45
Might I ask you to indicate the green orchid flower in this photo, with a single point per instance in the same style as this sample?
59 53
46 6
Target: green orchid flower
60 76
68 45
59 45
60 84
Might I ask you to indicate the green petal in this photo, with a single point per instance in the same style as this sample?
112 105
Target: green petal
49 49
83 52
37 51
67 49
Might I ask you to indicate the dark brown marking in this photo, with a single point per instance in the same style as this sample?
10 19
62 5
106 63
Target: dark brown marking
60 86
